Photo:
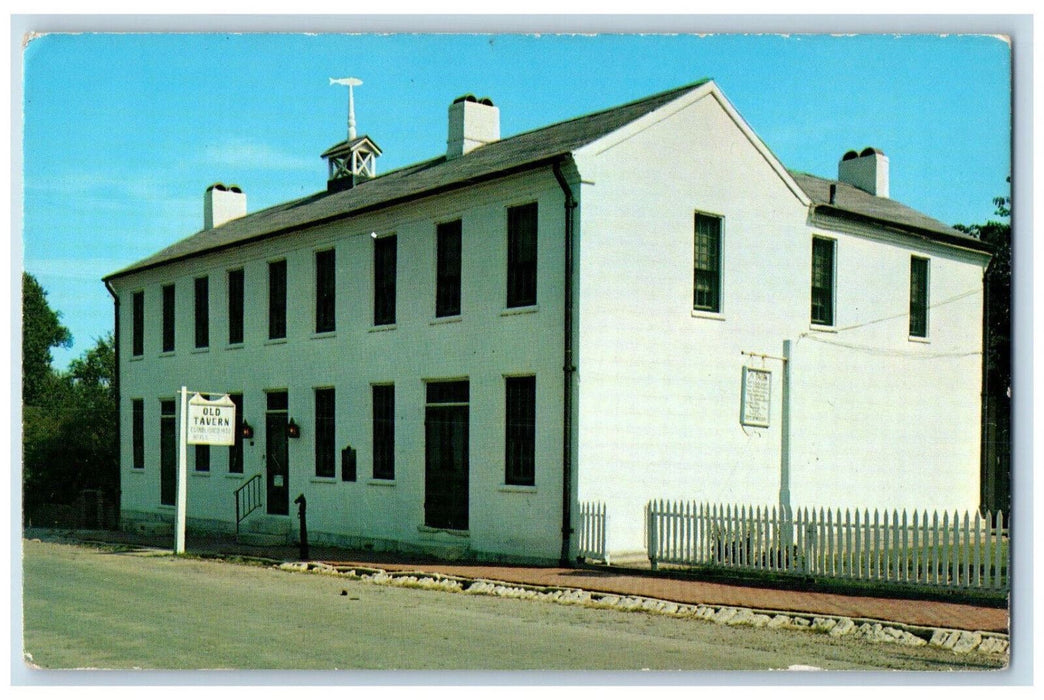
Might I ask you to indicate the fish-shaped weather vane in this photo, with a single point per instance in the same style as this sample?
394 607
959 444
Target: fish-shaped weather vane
351 83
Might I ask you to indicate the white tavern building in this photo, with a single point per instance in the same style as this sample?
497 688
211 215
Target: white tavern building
454 355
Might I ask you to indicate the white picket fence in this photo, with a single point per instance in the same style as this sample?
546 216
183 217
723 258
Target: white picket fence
591 540
962 551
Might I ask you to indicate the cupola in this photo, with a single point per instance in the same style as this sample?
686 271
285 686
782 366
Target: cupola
353 160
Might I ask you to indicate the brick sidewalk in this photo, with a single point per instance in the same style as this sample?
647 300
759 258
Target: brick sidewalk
627 582
911 612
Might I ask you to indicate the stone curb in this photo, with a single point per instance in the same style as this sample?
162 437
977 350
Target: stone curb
874 631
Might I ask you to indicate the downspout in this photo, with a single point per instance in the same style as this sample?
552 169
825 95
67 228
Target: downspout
987 458
116 392
568 368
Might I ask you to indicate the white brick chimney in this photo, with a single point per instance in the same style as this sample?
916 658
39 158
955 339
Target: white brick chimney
867 170
472 123
222 203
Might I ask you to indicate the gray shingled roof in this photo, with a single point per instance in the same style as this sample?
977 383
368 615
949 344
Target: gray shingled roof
514 154
517 153
849 201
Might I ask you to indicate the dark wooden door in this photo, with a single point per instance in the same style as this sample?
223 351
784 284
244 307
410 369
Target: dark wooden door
277 468
446 467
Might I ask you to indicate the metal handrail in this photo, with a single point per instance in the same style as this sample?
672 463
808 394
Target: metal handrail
248 499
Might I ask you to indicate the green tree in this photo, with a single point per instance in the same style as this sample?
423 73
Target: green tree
97 368
997 376
69 418
41 331
998 297
70 438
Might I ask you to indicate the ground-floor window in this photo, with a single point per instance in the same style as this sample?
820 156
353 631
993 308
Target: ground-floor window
202 458
235 450
168 453
137 433
384 431
348 464
520 437
324 433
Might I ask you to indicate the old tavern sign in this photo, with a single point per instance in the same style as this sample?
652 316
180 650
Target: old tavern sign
211 422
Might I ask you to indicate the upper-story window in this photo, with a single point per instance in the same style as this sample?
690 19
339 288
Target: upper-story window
447 272
202 312
168 318
706 264
138 324
918 297
823 281
325 292
277 299
235 307
522 256
384 270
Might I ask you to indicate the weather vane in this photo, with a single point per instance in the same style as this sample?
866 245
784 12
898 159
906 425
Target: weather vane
351 83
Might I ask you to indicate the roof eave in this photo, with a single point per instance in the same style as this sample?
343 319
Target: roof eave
955 239
340 216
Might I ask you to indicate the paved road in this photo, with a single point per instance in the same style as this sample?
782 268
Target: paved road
89 607
925 613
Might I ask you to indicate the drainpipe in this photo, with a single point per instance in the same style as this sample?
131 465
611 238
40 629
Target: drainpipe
987 500
568 368
116 393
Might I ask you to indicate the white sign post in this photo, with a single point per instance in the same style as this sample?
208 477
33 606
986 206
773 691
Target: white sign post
755 401
203 422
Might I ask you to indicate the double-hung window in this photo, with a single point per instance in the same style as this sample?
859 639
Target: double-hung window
277 300
202 458
138 324
137 433
383 431
235 450
168 452
168 318
325 292
918 297
235 307
447 272
823 281
384 263
324 433
520 437
522 256
706 264
202 312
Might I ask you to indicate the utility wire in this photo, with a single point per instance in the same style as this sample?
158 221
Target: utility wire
960 296
913 355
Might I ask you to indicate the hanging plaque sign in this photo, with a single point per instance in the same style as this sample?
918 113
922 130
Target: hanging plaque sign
211 422
755 394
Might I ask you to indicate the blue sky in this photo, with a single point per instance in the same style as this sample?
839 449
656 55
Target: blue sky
124 132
